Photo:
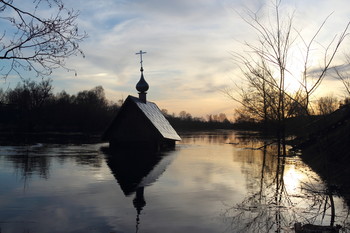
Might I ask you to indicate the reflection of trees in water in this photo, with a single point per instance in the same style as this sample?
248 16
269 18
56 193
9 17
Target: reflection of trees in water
37 159
81 155
27 165
207 137
28 161
271 205
243 138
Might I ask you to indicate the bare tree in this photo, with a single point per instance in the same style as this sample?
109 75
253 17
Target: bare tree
2 97
185 115
259 97
343 74
30 95
36 43
327 105
266 65
312 78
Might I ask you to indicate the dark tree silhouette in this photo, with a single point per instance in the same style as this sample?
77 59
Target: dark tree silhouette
32 107
267 65
32 42
327 105
30 95
343 74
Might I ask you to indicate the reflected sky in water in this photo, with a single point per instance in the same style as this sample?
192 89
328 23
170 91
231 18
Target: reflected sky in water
211 182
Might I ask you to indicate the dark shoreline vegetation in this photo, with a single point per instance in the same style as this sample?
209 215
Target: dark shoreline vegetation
325 146
31 113
32 109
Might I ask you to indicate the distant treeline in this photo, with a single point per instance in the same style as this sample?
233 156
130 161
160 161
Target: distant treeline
187 122
33 107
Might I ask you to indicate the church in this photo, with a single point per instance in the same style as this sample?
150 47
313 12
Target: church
140 123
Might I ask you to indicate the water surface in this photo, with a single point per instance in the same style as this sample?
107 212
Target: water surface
220 181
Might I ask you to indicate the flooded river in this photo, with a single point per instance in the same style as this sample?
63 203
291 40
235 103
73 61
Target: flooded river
222 181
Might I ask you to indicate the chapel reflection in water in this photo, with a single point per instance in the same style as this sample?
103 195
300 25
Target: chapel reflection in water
134 170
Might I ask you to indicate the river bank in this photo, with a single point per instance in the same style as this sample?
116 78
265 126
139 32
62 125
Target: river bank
326 149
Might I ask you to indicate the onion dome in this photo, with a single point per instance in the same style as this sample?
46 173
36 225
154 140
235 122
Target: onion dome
142 86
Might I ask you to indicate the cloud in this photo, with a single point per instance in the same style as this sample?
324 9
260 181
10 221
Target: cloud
188 45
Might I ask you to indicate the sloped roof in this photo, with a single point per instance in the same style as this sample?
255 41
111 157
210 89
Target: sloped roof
156 117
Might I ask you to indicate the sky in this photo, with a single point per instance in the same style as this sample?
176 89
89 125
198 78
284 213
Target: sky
188 45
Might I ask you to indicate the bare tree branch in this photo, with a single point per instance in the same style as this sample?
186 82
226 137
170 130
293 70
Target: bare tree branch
265 65
35 43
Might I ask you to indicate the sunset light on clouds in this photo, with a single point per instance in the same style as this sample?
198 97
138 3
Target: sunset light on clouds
189 47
